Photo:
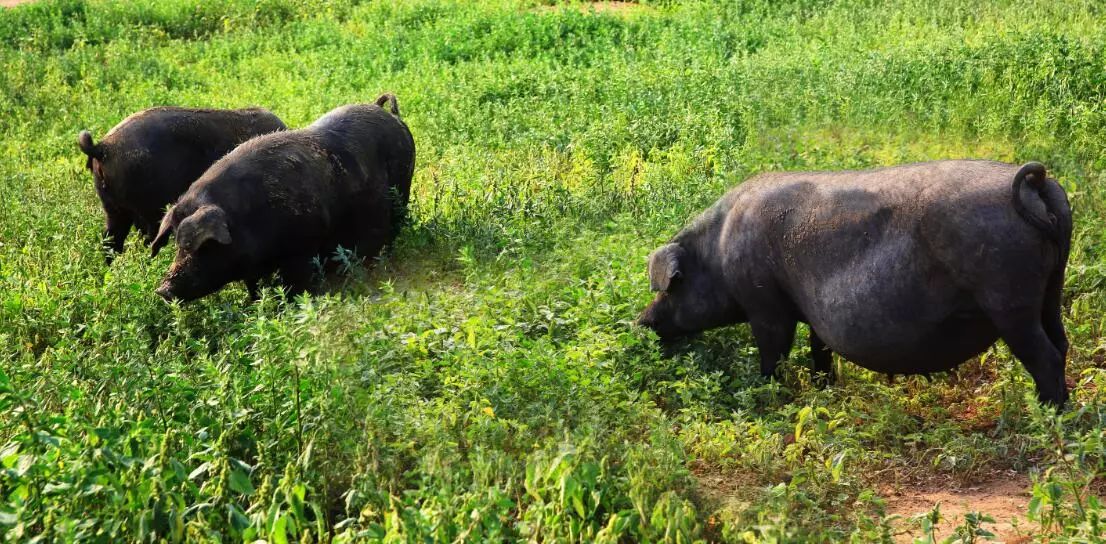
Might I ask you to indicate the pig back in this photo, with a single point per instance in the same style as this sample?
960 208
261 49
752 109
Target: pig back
372 144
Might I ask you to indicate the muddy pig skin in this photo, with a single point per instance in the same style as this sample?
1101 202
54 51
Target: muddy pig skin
279 201
905 270
150 158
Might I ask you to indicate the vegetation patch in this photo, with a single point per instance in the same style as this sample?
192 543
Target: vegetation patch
483 381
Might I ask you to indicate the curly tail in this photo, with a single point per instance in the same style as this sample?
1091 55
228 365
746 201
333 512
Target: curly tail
84 141
1056 225
390 100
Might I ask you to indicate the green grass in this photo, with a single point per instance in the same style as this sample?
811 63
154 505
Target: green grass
484 382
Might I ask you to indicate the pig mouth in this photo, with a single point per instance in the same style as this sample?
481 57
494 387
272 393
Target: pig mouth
168 293
667 335
675 341
165 292
175 286
172 289
183 288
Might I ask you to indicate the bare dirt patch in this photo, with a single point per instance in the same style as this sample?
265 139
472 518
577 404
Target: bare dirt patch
717 486
718 491
13 3
1003 497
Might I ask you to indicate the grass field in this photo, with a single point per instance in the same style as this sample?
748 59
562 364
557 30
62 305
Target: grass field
484 382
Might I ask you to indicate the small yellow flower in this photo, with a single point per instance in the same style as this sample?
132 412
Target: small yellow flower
488 411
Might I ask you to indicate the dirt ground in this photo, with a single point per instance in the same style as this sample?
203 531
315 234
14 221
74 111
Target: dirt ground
1003 497
13 3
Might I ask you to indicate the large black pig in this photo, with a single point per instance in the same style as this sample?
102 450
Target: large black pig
279 201
150 158
904 270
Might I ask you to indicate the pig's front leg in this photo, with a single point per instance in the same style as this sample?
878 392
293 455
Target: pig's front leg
296 275
774 338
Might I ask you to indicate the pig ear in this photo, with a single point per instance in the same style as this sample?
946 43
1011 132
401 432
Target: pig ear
206 223
664 266
162 237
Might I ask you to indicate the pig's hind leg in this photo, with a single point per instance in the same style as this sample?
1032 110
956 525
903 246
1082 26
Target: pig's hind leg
1052 314
1026 313
1024 333
371 237
823 360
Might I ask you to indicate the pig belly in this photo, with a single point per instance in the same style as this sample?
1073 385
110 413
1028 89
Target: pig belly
894 312
940 347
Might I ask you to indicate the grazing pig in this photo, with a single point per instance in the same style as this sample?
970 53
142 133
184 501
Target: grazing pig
151 157
280 200
905 270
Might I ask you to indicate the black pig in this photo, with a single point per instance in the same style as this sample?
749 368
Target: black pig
150 158
904 270
278 201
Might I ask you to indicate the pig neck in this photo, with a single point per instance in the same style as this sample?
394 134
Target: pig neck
704 240
703 237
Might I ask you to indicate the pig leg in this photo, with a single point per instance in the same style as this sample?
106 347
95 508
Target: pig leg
774 339
116 228
253 289
372 251
370 242
823 360
1025 335
147 226
372 229
1052 314
296 275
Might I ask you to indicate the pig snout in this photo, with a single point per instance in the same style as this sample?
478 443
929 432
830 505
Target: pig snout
650 320
658 317
165 292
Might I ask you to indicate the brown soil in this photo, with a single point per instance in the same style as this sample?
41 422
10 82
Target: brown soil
719 490
717 486
1003 497
13 3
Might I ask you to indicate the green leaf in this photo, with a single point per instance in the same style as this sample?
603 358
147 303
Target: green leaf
240 482
1034 506
837 466
56 488
578 504
199 470
24 464
279 534
238 519
804 414
9 455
